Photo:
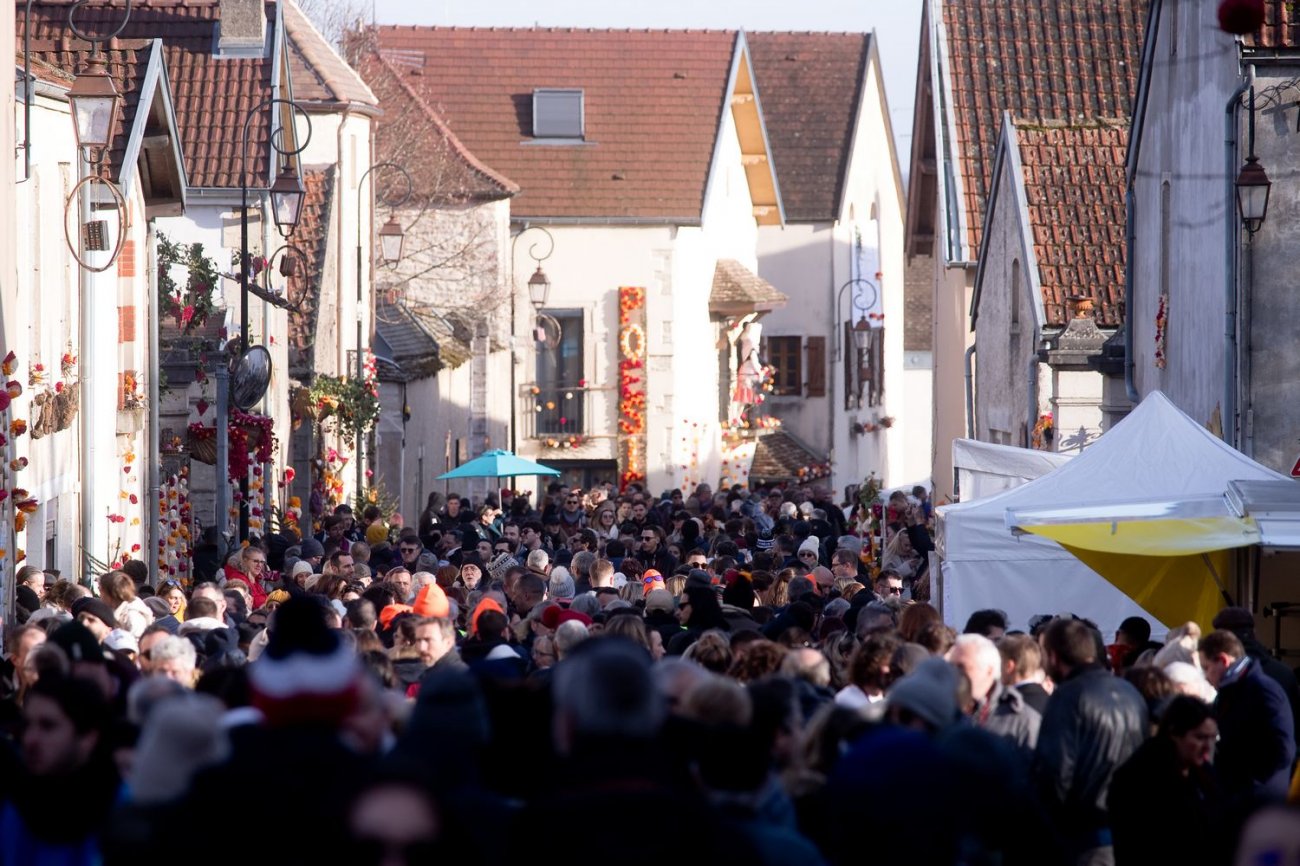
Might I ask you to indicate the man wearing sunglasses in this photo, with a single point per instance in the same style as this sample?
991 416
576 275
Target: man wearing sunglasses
889 585
651 551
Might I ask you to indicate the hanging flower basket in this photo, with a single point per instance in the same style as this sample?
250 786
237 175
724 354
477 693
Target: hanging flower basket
248 434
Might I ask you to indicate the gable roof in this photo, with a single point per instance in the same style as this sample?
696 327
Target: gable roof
738 291
143 148
319 74
445 172
212 96
413 349
1069 187
653 107
304 287
1068 60
811 86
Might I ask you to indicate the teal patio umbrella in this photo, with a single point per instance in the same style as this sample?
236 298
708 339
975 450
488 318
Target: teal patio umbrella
497 464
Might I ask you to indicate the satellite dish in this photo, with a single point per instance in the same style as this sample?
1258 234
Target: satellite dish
250 378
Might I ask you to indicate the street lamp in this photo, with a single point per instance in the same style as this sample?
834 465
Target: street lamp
539 288
391 241
862 300
861 334
1253 188
286 207
95 106
287 195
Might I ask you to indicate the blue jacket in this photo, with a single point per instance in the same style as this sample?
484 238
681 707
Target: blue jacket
1256 733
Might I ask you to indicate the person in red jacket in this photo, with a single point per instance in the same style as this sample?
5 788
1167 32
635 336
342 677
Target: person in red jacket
252 565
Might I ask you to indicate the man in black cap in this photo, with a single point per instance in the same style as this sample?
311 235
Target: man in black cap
95 615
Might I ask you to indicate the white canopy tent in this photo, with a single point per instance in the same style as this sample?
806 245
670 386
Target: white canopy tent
1157 452
984 469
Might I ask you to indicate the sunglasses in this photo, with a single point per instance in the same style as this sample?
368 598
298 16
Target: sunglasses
807 554
410 549
891 590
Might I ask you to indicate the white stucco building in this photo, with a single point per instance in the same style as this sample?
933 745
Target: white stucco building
645 175
839 258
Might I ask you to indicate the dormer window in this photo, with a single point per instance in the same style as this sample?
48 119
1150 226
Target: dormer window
558 114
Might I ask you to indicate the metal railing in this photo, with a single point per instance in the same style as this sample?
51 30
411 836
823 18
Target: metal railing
546 412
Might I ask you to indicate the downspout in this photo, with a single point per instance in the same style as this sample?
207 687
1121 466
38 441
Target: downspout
87 413
1130 223
1230 260
340 354
1031 416
153 479
967 360
837 339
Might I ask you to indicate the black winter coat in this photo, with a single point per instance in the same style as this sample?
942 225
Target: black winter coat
1159 815
1093 724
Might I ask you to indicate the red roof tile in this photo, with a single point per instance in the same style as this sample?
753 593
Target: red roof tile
318 73
1065 60
1281 26
303 293
653 104
212 96
1074 189
413 135
809 86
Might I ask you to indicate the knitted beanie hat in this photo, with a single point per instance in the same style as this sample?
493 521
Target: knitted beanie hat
306 676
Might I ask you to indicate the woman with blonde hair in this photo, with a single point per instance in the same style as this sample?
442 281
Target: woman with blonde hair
132 614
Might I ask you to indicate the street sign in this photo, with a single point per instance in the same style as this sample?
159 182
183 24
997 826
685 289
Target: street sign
1295 470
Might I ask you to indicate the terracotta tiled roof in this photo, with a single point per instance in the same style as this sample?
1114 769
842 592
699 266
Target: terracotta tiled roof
318 73
127 60
653 105
737 289
1074 188
312 236
212 96
1065 60
779 457
412 134
1281 26
810 85
413 347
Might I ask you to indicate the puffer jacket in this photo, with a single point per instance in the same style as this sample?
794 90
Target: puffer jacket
1093 724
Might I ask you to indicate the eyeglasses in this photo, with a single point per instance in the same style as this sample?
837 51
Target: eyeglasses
571 502
807 554
258 561
410 549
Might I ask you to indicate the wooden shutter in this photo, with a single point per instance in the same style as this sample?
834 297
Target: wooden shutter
816 361
851 361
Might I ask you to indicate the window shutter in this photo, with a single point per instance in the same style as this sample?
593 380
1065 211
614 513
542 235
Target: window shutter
851 362
816 366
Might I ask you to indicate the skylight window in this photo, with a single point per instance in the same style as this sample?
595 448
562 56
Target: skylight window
558 114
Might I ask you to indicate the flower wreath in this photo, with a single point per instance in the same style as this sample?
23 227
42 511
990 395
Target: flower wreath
626 344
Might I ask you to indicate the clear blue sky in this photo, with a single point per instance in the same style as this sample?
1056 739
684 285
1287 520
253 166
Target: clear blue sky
896 22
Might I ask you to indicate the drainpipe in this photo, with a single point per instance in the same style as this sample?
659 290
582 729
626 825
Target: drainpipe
153 480
340 195
836 339
1130 241
1032 416
1230 260
970 392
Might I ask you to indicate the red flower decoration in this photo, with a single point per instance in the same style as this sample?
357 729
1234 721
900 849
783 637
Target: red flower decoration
1240 17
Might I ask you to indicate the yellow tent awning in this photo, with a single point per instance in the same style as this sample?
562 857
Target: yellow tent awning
1172 558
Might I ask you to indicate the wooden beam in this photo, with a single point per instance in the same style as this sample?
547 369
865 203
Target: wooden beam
153 142
753 158
762 210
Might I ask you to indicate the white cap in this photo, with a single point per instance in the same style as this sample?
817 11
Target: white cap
121 639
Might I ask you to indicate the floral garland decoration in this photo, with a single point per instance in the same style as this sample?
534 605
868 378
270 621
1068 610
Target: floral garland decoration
11 429
1043 431
575 440
1162 330
194 303
175 517
354 403
243 427
631 368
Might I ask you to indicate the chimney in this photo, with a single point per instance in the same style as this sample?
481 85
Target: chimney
243 28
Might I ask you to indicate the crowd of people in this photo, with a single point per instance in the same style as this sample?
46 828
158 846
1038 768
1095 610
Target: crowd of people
730 677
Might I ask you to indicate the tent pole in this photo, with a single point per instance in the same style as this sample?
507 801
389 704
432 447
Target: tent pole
1205 557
